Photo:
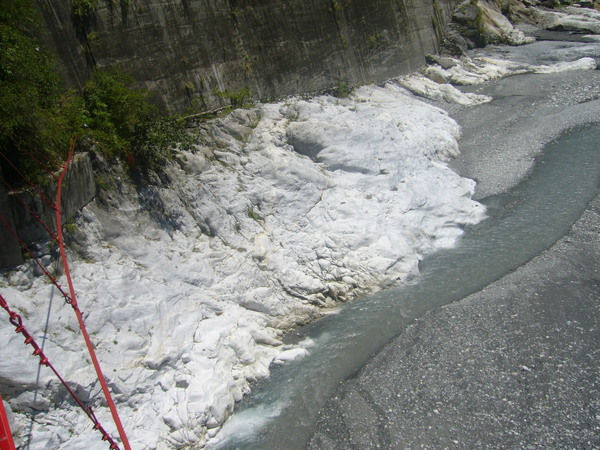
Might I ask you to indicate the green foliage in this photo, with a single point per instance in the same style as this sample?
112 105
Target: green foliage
375 40
338 6
81 8
70 226
115 110
29 92
38 120
127 125
102 182
237 99
342 90
156 141
254 215
241 98
93 36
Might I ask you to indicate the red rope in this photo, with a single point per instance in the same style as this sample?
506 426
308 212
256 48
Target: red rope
31 211
44 166
92 352
70 299
16 320
25 247
24 148
29 182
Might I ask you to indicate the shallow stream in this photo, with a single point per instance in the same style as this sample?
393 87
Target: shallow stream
522 223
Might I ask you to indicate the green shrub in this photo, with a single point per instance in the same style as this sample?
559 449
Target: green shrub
115 110
126 125
29 94
254 215
342 90
38 120
155 142
237 99
81 8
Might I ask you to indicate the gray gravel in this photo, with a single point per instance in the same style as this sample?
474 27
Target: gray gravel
516 365
501 139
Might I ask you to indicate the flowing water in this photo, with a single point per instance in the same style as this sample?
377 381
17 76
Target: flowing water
523 222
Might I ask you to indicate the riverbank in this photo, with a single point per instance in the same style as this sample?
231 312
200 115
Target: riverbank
514 365
283 212
502 139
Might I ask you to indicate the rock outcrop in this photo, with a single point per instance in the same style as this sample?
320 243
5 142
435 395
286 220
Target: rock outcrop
25 210
477 23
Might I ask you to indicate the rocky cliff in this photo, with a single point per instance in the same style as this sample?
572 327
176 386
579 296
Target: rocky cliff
199 54
25 211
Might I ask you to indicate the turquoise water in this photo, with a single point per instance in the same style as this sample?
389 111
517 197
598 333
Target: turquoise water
523 222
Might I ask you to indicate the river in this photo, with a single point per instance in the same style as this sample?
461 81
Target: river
548 194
